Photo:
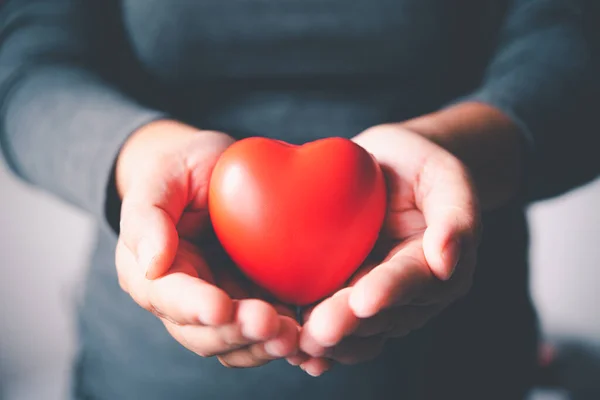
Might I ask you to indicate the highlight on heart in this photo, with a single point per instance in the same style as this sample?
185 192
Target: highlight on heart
297 220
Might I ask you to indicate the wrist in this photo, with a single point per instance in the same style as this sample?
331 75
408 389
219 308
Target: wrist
487 141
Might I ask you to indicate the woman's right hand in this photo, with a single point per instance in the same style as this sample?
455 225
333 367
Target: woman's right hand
162 176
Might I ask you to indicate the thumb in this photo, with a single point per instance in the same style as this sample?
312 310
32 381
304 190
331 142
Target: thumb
163 168
149 215
446 197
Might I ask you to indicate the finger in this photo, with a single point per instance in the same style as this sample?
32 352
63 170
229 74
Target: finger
150 234
442 190
328 323
202 340
254 322
125 265
180 296
283 345
354 350
298 358
445 195
394 282
154 197
397 322
362 272
400 224
185 299
151 208
382 323
239 287
316 366
309 346
413 318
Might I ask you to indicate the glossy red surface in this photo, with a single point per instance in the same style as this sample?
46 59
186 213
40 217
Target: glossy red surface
297 220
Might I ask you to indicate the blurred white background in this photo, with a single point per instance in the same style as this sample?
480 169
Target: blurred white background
44 245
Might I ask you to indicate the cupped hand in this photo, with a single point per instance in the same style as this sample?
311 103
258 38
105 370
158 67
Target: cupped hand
423 262
167 261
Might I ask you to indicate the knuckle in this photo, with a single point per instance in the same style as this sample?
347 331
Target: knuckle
200 349
180 334
154 301
140 299
232 336
221 350
161 315
133 216
127 216
142 303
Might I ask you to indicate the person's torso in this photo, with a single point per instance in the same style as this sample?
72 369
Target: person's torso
293 70
307 69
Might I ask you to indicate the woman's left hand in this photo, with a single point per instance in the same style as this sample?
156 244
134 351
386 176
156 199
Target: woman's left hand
423 262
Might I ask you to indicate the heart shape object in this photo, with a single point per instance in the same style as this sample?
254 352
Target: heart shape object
297 220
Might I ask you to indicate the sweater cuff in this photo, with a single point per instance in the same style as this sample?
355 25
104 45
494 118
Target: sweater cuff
62 129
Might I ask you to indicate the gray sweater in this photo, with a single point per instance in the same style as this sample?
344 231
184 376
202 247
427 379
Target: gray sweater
78 76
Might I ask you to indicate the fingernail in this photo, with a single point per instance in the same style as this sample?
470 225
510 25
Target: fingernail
451 255
145 254
312 372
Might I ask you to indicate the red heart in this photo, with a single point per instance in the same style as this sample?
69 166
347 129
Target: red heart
297 220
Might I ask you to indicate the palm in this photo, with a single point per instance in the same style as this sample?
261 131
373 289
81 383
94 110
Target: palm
432 214
197 240
169 261
404 219
211 263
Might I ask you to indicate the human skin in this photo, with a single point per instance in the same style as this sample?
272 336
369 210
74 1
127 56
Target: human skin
163 251
442 170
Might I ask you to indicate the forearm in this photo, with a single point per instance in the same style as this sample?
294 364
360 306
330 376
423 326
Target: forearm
485 140
541 78
62 121
62 129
